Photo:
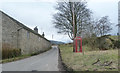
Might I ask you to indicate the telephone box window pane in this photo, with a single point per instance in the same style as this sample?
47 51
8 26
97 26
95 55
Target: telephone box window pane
78 45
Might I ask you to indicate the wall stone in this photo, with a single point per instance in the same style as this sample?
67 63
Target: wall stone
18 36
0 36
9 32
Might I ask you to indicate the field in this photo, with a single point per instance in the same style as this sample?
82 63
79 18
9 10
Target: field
90 60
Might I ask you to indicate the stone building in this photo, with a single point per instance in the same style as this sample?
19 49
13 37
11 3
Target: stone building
19 36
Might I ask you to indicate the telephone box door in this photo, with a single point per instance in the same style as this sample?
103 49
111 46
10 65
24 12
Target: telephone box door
78 44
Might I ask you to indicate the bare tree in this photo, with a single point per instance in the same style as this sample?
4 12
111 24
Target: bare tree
102 26
63 19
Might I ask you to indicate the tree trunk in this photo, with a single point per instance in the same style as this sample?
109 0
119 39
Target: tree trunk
74 30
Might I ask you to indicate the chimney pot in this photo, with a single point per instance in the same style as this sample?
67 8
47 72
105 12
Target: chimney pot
36 29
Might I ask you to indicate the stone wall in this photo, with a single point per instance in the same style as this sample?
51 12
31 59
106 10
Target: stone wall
18 36
9 31
0 36
31 42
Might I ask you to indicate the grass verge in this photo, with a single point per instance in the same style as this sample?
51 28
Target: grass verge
14 59
22 56
90 61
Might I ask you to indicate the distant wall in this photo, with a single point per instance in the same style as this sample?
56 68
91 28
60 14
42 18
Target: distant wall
30 42
18 36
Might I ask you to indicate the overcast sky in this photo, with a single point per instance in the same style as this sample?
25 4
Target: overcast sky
39 13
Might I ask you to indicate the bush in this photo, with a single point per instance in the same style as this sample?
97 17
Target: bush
117 44
9 52
90 42
103 43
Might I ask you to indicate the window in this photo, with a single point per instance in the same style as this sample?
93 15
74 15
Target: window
39 38
28 34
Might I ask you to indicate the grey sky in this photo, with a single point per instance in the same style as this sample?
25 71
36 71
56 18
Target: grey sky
38 13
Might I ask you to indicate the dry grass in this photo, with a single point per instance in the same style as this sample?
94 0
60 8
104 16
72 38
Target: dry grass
80 62
9 52
15 58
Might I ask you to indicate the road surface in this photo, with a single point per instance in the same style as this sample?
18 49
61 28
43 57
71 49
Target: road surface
47 61
0 68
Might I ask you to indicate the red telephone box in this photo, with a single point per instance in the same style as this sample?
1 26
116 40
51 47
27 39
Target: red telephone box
78 44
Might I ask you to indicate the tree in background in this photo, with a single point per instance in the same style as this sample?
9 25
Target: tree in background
84 24
63 19
98 27
102 26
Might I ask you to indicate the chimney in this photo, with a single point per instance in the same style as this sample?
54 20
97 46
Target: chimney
36 29
43 34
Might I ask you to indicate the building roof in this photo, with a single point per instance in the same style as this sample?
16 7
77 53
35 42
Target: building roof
23 26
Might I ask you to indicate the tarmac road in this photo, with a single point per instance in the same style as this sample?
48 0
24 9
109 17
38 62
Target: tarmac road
47 61
0 68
